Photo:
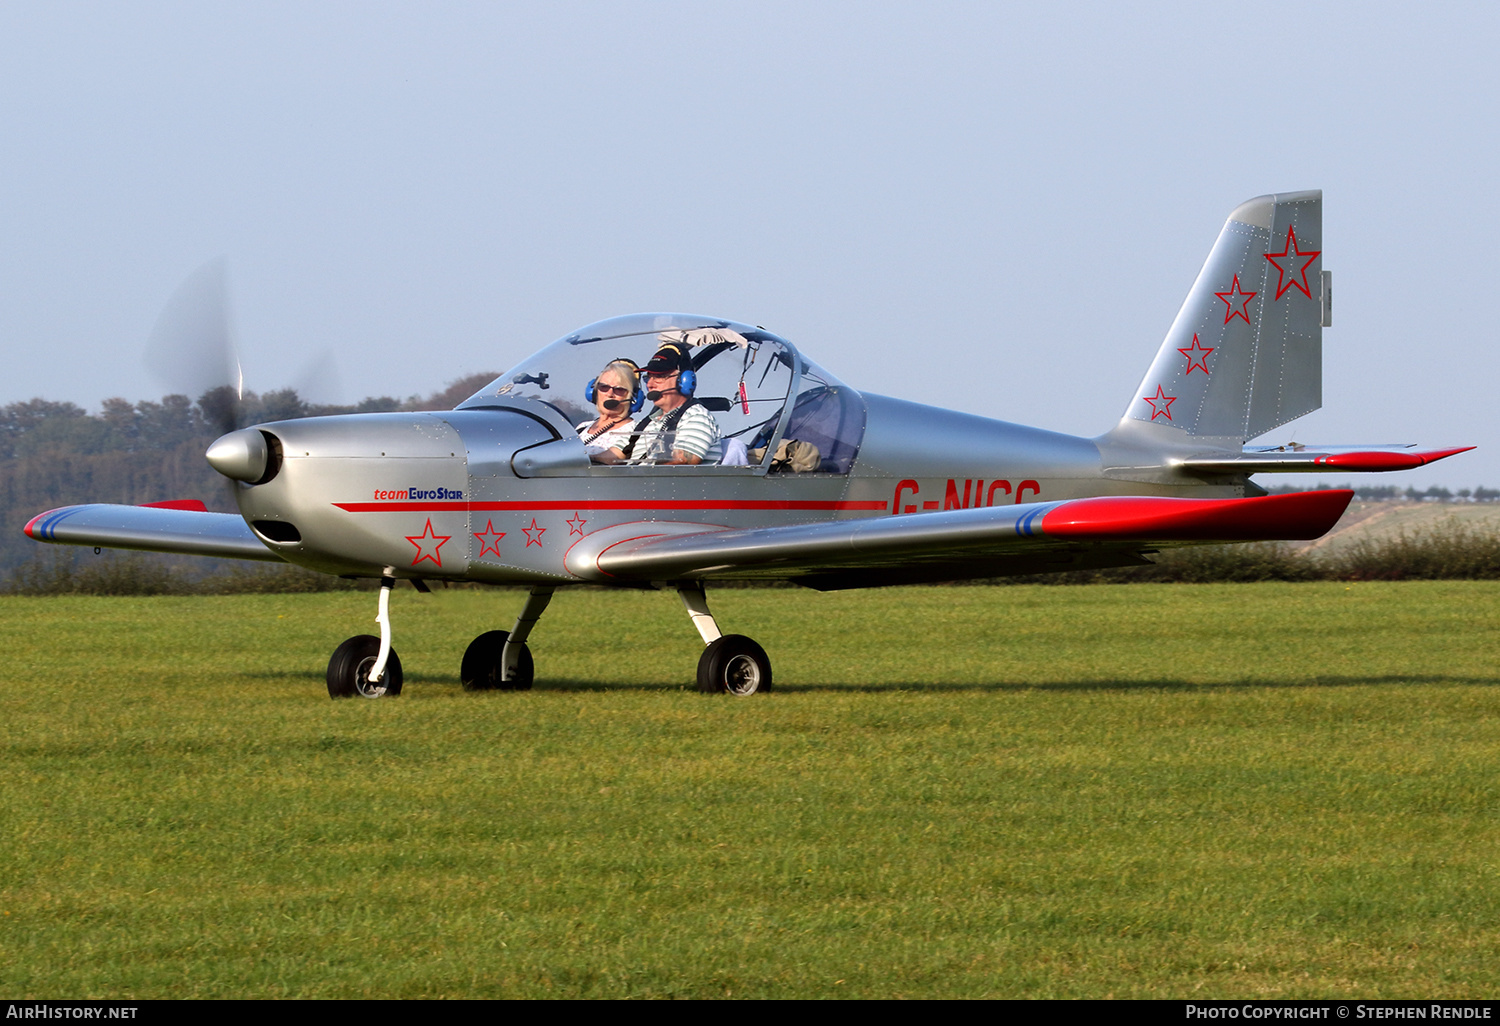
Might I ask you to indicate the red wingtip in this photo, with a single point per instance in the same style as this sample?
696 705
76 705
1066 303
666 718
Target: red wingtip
34 521
196 505
1298 516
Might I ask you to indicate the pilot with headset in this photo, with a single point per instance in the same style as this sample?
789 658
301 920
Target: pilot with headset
680 430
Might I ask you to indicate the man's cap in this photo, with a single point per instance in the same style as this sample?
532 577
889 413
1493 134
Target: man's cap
670 357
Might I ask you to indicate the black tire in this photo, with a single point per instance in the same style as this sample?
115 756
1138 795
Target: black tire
481 667
349 668
480 670
734 665
525 673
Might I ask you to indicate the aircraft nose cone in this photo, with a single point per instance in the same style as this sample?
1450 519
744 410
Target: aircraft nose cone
240 455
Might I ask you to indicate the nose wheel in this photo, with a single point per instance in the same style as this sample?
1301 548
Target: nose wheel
366 666
352 665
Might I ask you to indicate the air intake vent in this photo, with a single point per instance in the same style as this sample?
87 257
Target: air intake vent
273 458
278 531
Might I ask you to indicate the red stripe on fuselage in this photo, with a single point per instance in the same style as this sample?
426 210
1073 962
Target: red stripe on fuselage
876 505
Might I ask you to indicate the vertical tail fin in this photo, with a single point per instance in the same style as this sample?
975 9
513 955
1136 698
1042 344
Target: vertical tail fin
1245 354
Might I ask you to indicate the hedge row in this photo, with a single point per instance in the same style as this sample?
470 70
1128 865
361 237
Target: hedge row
1454 552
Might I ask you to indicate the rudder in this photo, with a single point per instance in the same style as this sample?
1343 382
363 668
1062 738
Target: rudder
1245 353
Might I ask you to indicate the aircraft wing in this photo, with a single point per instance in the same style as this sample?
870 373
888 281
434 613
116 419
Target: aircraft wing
1308 460
952 545
182 527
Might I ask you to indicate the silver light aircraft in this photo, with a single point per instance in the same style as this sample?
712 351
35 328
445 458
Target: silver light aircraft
817 483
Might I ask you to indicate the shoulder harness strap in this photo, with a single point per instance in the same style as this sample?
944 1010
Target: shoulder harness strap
668 425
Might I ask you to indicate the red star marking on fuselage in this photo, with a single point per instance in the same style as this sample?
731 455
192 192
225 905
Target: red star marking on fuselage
530 541
1235 297
575 526
1197 357
1166 403
421 542
1290 253
489 541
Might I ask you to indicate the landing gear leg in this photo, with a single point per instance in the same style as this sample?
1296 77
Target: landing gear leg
731 663
364 665
501 661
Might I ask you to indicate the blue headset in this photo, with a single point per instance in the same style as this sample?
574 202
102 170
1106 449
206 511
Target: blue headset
687 378
637 397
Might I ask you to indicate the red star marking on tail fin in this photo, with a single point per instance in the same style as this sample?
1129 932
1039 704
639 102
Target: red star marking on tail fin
1197 357
1234 297
575 526
1166 403
489 541
1290 254
426 550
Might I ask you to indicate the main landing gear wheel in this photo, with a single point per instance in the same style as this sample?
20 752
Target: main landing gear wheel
349 670
734 665
483 665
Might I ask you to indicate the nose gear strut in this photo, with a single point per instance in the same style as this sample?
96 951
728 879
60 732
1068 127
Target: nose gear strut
364 665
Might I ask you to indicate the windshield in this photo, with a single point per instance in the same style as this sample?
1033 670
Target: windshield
744 376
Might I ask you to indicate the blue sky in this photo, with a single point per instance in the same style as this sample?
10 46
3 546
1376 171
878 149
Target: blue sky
992 207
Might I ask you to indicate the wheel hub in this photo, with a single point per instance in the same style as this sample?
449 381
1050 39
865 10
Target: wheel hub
362 683
742 676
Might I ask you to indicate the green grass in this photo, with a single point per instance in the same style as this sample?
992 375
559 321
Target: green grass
1275 790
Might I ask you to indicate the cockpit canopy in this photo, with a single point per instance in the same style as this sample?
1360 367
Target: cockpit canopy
744 376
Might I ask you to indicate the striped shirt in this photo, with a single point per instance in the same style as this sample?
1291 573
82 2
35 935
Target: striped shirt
697 434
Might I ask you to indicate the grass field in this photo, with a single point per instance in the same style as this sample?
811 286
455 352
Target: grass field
1283 790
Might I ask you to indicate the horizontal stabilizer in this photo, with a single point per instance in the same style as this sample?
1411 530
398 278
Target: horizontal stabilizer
181 526
1308 461
956 544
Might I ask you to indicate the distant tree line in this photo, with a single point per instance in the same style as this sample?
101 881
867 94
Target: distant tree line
57 453
40 427
1391 493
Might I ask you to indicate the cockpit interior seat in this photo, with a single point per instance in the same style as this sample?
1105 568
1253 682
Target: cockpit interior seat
735 453
826 423
792 455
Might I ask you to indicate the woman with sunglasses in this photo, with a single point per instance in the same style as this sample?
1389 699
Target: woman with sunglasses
613 393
